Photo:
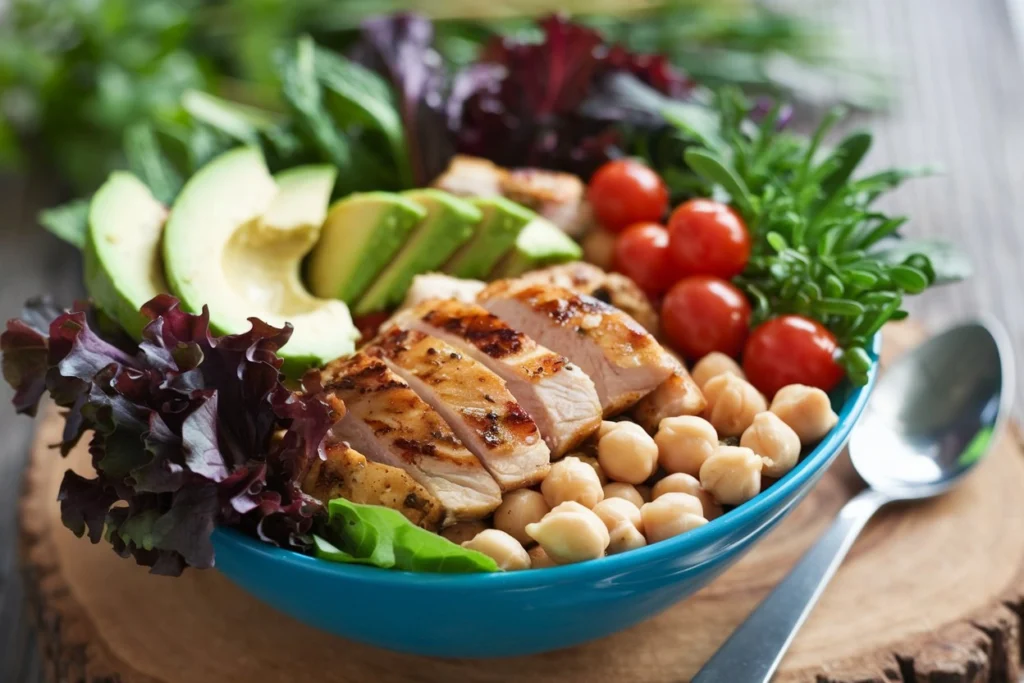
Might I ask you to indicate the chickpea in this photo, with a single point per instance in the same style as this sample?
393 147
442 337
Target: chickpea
606 426
461 532
623 537
684 443
684 483
807 410
593 462
617 489
645 492
615 511
570 533
539 558
732 404
572 479
773 440
732 475
628 454
500 547
518 509
714 364
670 515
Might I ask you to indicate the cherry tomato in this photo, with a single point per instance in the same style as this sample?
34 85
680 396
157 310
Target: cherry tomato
624 192
641 254
791 349
701 314
708 238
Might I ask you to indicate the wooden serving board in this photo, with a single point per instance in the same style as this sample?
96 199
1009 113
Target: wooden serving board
931 593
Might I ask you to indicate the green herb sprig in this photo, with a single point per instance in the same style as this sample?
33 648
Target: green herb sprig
817 237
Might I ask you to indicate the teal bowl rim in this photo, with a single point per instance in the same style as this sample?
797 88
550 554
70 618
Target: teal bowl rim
736 519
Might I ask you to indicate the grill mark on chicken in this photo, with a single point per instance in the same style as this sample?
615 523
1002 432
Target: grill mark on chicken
586 312
472 399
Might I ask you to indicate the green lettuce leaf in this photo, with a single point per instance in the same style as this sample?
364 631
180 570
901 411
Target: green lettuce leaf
382 537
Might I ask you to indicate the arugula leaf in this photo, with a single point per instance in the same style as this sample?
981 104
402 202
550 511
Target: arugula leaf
68 221
304 94
234 120
382 537
361 96
148 162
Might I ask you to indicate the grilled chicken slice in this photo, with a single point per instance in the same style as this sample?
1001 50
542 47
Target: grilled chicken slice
678 395
554 195
348 474
468 176
389 423
559 397
612 288
440 286
473 400
557 196
624 360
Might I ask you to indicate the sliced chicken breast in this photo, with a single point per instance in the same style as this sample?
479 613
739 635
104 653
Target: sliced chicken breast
678 395
473 400
348 474
440 286
612 288
560 398
389 423
621 357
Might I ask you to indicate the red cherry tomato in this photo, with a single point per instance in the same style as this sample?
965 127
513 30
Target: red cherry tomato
791 349
701 314
708 238
641 254
624 192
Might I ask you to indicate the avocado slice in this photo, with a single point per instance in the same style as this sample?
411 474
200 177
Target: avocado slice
235 241
501 224
361 235
541 243
449 224
123 269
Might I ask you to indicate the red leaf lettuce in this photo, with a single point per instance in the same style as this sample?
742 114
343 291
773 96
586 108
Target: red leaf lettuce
189 431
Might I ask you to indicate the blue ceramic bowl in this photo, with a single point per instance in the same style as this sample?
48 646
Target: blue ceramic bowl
520 613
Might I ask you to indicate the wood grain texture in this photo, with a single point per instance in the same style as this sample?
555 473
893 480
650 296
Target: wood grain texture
945 619
960 91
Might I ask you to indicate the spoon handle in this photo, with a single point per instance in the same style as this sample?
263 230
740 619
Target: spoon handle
755 649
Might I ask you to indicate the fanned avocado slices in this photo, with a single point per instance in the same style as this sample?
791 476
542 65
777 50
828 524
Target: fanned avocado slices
449 224
362 234
501 224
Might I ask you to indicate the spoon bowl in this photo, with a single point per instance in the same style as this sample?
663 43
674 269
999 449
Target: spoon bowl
934 412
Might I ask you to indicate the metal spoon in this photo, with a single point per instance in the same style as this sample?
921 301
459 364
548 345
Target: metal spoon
931 419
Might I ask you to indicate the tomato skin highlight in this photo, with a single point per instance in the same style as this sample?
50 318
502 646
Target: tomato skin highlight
701 314
641 254
792 349
708 238
624 192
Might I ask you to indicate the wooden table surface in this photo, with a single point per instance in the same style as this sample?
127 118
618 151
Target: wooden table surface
960 84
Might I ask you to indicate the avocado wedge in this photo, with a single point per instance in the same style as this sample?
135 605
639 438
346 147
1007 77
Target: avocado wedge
449 224
501 224
361 235
234 242
123 269
541 243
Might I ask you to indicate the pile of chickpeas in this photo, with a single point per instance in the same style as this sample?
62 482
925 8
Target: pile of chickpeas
632 489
